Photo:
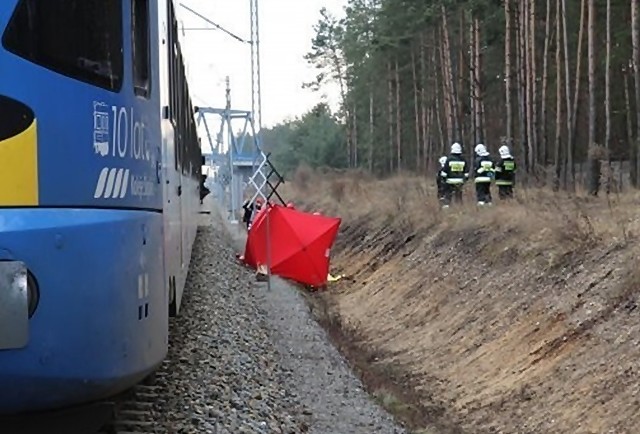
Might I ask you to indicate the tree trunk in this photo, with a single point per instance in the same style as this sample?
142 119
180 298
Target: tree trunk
438 104
475 133
557 155
520 67
398 118
416 106
545 79
449 68
569 169
633 170
528 84
635 36
355 135
371 130
607 83
446 94
461 117
390 114
423 104
428 143
607 98
533 103
507 70
477 78
594 160
439 124
576 95
524 53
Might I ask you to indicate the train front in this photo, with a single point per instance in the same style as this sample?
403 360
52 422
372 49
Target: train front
83 304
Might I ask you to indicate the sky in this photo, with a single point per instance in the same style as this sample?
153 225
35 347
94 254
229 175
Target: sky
286 31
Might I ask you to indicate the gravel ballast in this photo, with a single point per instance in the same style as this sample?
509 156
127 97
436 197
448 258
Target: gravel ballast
244 359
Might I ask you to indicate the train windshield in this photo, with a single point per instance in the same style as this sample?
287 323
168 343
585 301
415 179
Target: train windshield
81 39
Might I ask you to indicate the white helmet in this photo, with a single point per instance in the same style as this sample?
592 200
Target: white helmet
504 152
481 150
456 148
442 160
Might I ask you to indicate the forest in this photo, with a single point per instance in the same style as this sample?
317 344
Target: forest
557 80
554 349
315 139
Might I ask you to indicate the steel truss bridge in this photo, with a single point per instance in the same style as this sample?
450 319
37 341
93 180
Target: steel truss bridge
241 168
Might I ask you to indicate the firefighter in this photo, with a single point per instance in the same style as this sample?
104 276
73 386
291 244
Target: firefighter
455 174
505 173
441 180
483 167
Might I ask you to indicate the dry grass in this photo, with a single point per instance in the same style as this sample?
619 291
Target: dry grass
518 318
576 218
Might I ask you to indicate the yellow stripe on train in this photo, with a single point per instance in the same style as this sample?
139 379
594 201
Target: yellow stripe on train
19 168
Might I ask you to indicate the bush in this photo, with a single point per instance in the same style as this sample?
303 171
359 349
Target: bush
302 176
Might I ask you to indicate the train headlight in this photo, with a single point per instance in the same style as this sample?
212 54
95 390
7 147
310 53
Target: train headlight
25 278
33 293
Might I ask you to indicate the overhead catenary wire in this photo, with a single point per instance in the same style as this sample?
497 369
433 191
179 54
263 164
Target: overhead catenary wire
219 27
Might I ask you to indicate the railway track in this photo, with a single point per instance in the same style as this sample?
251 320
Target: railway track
137 411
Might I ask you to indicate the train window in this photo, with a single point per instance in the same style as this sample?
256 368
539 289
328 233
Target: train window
81 39
140 46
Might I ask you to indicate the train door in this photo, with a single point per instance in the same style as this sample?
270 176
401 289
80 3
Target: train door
179 216
183 194
171 202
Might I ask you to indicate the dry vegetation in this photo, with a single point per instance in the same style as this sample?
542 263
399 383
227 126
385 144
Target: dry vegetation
520 318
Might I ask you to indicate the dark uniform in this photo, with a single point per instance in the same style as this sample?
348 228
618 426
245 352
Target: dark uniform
454 171
483 166
505 176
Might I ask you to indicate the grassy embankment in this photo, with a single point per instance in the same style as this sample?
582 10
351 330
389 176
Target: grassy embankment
520 318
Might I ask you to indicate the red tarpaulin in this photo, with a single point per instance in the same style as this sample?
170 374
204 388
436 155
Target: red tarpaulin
300 243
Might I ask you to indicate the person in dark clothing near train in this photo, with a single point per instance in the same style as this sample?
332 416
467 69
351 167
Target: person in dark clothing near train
248 207
483 174
441 181
505 173
250 210
455 174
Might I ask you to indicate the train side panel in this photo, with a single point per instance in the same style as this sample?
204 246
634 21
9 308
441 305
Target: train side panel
84 161
171 180
182 185
100 171
191 207
98 143
93 333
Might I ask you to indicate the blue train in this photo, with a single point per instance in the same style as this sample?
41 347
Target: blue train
100 188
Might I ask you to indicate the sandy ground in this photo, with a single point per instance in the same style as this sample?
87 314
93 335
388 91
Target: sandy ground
510 320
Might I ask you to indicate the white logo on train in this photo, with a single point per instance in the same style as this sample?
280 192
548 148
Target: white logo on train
118 134
112 183
100 128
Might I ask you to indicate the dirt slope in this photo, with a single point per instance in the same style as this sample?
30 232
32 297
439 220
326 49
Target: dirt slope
521 318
